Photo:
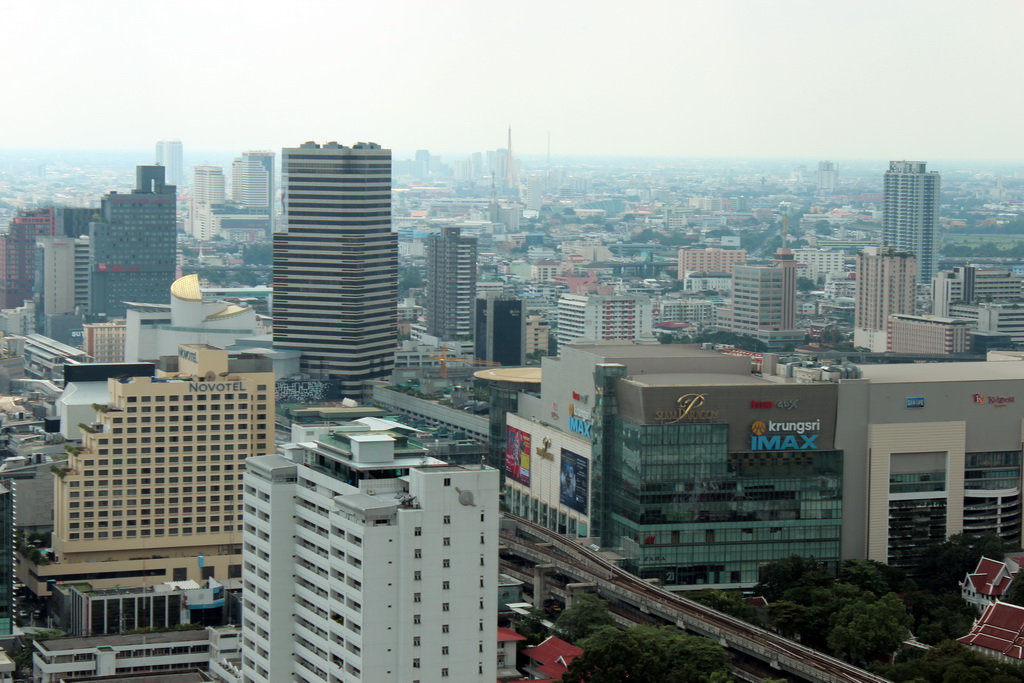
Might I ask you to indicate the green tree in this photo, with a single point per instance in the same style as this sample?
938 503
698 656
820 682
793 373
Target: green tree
804 284
944 565
791 572
788 618
875 577
409 278
532 627
648 653
587 614
729 602
949 662
864 630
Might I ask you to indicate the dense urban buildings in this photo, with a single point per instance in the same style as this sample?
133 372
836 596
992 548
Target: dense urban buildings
598 317
451 284
710 260
336 263
764 302
886 283
154 492
252 183
367 560
133 245
911 213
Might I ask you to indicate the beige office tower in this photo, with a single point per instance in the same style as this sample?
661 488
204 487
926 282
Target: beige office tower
886 285
154 493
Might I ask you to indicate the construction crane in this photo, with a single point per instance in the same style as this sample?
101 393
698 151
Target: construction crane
445 359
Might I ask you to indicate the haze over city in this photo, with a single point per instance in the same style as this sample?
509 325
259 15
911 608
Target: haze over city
796 79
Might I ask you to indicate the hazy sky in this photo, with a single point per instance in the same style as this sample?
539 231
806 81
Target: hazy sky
920 79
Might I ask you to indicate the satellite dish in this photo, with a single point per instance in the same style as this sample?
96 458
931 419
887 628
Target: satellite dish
466 497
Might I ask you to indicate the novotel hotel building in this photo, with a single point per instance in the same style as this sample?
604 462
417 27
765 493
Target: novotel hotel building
154 491
678 459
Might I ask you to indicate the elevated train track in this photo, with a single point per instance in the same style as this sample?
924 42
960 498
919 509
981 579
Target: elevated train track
556 553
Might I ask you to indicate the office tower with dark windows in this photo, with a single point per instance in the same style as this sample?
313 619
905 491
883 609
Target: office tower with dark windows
501 330
336 263
169 155
18 254
252 183
451 284
911 214
132 245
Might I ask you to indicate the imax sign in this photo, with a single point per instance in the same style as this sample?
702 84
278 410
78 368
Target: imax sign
762 438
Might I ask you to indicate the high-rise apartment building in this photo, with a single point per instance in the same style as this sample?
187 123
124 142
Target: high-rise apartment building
154 493
62 278
133 245
886 284
336 263
367 560
169 155
252 182
451 284
18 254
910 219
827 177
599 317
501 330
207 193
6 559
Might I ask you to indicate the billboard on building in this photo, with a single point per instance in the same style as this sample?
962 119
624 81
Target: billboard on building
517 455
574 481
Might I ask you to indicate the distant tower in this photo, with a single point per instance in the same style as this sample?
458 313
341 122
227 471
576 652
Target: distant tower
451 284
885 285
133 245
207 192
336 263
827 177
169 155
252 183
501 330
911 215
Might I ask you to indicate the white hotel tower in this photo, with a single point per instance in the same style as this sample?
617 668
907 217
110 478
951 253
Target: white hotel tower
365 560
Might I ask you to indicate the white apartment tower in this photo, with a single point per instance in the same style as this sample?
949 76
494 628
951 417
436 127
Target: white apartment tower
365 560
602 317
827 177
252 182
910 219
207 192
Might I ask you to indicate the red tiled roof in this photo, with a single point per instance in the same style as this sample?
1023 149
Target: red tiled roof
553 656
1000 629
507 634
990 578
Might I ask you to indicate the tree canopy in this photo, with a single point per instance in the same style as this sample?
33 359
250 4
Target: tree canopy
647 653
587 613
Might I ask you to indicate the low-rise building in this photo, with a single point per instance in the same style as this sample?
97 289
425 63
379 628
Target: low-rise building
927 334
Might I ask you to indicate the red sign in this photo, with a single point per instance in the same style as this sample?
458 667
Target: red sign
761 405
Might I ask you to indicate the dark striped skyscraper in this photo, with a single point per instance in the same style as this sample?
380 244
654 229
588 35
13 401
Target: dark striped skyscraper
336 263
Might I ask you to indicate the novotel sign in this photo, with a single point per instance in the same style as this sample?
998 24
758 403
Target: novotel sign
772 436
216 386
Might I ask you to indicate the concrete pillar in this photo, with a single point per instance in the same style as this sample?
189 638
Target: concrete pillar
539 584
572 588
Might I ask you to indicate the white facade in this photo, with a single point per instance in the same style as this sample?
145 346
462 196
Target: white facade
157 330
207 192
970 285
821 263
353 574
600 317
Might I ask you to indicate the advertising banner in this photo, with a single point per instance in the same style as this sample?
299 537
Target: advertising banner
574 481
517 455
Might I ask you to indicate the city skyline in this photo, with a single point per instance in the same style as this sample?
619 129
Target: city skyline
790 78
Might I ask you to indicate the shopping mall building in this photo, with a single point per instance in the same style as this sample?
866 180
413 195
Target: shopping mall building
697 472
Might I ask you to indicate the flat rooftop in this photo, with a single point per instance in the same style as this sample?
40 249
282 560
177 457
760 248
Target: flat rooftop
122 640
674 379
529 375
942 372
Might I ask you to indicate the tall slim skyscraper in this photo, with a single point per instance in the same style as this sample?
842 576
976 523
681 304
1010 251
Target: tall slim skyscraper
885 285
911 213
169 155
336 263
451 284
252 182
827 177
133 245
